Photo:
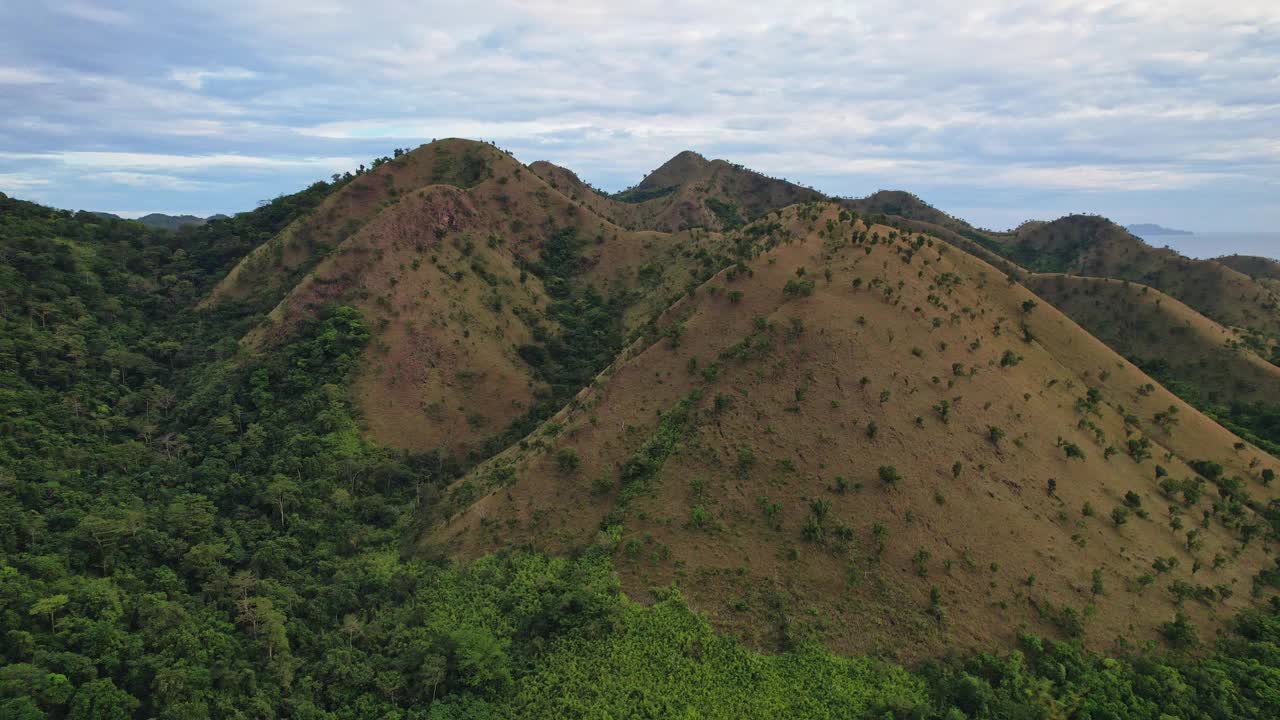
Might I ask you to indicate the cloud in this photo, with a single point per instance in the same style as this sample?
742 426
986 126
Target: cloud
10 182
22 76
194 78
144 162
152 181
1058 103
1098 178
94 13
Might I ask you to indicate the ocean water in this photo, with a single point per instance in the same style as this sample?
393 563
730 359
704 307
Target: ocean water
1216 244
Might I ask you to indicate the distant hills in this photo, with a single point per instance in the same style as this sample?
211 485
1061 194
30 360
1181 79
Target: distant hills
160 221
1153 229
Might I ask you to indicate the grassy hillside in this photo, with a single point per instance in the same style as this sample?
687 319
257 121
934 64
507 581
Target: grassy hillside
1252 265
875 441
274 266
1218 370
688 191
493 297
1264 270
192 530
1094 246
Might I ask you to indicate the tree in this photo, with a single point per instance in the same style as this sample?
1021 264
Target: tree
104 533
266 623
50 606
101 700
280 492
24 679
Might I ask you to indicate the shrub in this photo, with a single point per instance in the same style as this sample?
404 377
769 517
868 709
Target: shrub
1167 419
1010 358
699 518
1139 449
812 530
798 288
1072 450
1179 632
1207 469
921 562
943 409
1120 516
889 474
567 460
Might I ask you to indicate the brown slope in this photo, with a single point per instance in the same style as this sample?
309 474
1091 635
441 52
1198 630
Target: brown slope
688 191
441 272
1094 246
1252 265
908 213
275 265
718 195
1149 327
567 183
784 416
686 167
1265 270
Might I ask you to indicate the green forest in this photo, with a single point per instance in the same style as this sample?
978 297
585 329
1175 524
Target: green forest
191 531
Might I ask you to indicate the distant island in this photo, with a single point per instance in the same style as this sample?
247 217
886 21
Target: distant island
1153 229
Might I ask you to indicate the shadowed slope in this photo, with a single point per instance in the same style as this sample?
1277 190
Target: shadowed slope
688 191
1265 270
1151 328
1094 246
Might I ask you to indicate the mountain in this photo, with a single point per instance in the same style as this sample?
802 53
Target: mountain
161 221
1143 229
1264 270
861 434
453 436
1094 246
1232 375
497 297
1237 292
688 191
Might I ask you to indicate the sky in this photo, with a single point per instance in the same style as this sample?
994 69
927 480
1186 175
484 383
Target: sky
1164 111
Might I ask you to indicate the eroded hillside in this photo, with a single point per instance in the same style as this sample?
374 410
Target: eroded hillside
494 296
